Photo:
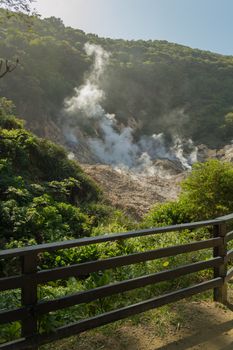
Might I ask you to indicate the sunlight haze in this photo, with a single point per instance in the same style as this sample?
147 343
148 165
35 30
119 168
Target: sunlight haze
199 24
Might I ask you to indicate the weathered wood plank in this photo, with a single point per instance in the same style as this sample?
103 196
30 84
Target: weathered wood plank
13 282
13 315
100 265
105 238
229 236
30 278
229 275
220 293
229 255
120 287
112 316
29 296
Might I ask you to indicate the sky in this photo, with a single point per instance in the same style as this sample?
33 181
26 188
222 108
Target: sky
203 24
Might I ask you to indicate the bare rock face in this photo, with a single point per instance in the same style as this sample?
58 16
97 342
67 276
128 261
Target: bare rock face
168 167
132 193
74 141
135 193
224 154
204 153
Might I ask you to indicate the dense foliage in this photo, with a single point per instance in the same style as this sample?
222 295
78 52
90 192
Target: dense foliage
42 193
166 87
17 5
46 197
207 193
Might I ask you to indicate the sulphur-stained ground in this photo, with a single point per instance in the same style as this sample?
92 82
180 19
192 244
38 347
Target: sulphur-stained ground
135 194
193 325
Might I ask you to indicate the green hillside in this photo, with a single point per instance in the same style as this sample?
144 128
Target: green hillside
44 196
166 87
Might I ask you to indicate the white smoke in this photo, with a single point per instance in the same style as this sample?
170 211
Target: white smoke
87 98
71 156
116 146
178 151
70 137
155 146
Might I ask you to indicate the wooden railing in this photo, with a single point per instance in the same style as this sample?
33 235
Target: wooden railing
31 309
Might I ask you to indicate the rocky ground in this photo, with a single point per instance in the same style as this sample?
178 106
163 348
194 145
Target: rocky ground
136 193
133 193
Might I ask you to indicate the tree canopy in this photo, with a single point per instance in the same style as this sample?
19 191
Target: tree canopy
207 193
42 192
13 8
165 87
17 5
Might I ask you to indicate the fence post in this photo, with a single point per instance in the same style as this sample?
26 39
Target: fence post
220 293
29 296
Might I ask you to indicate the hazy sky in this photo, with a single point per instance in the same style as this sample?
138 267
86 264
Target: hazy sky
204 24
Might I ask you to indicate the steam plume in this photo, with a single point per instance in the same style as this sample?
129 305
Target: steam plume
115 145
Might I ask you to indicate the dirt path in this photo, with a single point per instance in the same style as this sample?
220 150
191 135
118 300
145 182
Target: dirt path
195 325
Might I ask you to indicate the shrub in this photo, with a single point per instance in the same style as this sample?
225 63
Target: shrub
208 190
170 213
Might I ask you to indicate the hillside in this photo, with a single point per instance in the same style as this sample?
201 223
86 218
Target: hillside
151 87
134 194
44 196
135 118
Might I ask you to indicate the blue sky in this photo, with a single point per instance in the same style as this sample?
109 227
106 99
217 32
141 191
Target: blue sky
203 24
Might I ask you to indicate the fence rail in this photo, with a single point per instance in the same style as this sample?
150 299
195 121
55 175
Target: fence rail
31 309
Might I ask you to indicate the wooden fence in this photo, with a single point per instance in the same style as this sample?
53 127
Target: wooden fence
31 309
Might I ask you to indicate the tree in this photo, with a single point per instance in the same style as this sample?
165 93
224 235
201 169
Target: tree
208 190
7 67
14 8
207 193
23 6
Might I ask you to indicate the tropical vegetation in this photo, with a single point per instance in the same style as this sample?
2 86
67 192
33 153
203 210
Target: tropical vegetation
164 86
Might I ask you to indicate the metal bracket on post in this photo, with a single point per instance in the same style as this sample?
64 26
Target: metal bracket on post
220 293
29 296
